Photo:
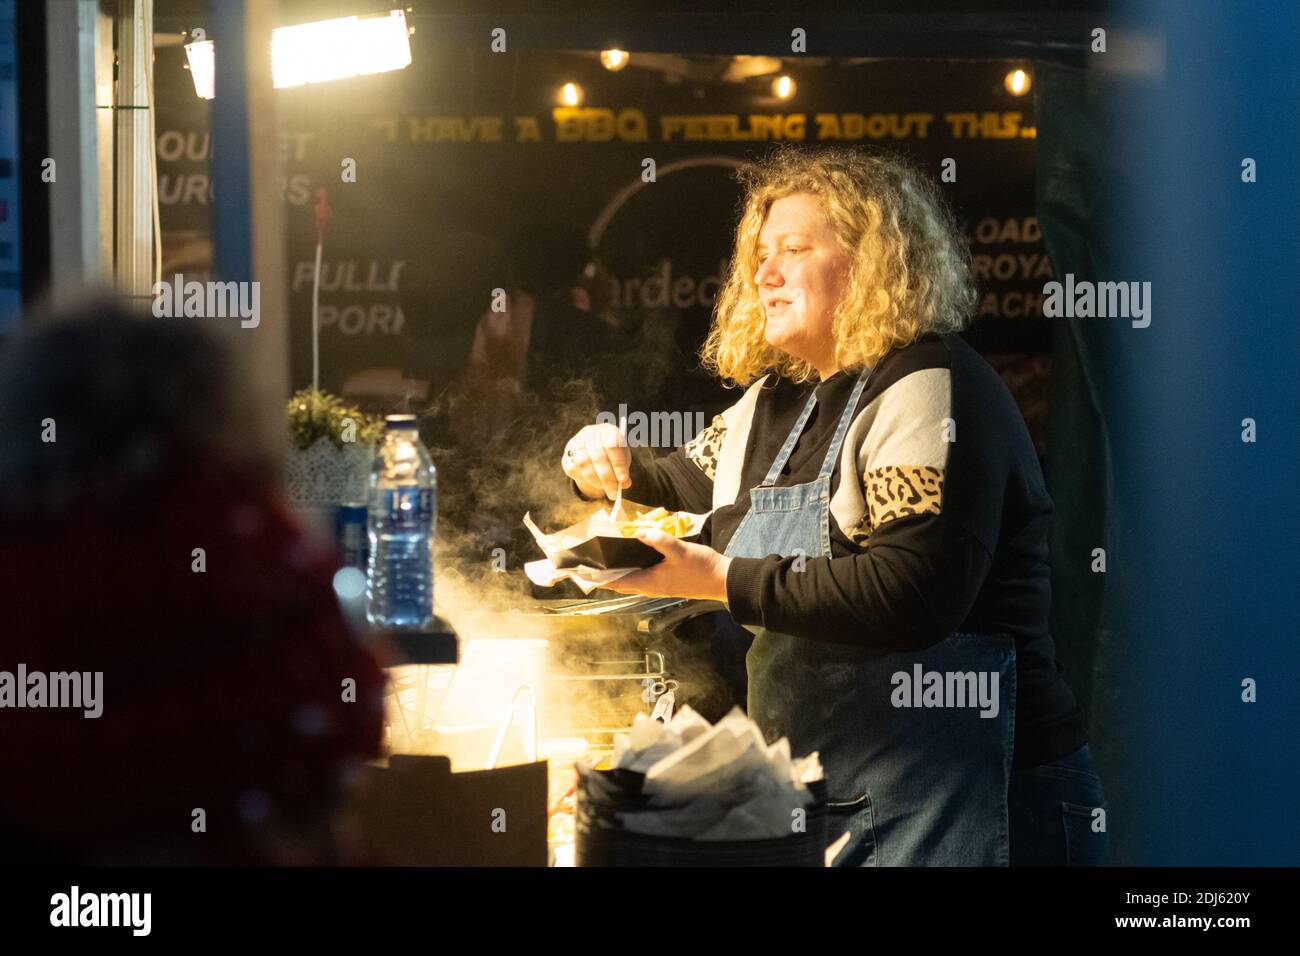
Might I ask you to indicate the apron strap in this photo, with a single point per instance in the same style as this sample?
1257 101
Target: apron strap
833 453
778 463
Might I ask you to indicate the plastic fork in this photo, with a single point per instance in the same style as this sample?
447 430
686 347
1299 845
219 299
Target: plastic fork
616 511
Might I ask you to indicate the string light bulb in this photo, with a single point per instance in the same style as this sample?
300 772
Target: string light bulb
571 94
613 60
1018 82
783 87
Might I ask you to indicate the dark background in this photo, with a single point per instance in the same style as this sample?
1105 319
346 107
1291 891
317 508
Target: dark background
451 220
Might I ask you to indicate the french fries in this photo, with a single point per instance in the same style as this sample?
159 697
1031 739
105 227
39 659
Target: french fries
675 523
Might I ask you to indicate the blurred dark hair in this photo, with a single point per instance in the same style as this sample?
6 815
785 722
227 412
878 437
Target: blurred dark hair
127 397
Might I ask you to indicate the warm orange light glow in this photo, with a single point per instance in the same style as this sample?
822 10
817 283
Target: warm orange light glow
1018 82
571 94
613 60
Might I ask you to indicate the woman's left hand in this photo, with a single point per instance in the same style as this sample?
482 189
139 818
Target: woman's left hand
687 571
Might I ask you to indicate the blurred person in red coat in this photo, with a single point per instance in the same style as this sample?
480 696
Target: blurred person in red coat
234 699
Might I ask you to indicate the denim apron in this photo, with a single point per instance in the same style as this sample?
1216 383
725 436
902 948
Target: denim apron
913 785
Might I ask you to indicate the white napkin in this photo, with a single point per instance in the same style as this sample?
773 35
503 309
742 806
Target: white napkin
714 782
648 742
545 574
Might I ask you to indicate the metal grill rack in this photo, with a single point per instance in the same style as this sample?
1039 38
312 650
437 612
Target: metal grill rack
647 673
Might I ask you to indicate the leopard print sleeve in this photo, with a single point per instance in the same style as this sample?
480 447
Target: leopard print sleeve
703 449
901 456
898 491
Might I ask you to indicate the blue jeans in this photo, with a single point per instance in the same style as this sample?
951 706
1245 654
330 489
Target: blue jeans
1056 814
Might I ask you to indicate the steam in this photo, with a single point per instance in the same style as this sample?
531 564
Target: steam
498 456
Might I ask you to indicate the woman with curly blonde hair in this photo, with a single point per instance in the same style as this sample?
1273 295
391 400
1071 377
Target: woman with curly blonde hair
879 520
906 268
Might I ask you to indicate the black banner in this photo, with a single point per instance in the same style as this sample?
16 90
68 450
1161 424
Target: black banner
463 174
398 904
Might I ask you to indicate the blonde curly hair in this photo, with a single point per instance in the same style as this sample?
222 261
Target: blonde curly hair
910 270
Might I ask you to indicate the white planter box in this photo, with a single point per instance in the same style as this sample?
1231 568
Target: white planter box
325 475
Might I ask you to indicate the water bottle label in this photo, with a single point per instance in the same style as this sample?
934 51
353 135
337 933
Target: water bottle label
350 533
410 509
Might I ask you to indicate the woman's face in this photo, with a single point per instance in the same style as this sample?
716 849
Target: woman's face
802 273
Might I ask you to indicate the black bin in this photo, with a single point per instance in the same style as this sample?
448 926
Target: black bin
601 840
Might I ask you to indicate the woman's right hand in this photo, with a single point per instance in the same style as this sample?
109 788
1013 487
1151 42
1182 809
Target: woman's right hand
598 460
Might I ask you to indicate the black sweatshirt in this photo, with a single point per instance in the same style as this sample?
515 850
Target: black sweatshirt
943 527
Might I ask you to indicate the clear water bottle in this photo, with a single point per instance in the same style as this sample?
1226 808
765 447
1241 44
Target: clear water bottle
402 514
